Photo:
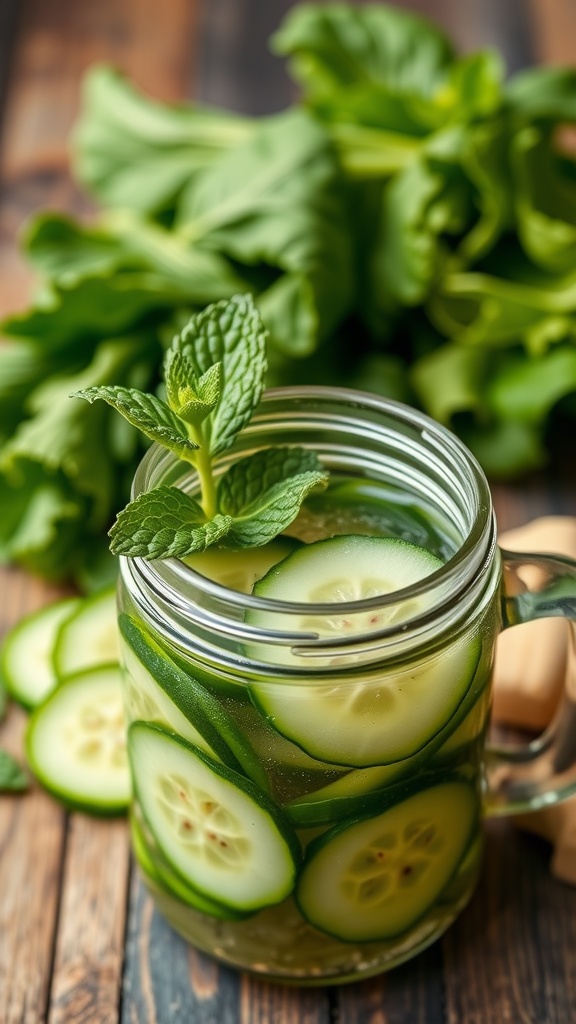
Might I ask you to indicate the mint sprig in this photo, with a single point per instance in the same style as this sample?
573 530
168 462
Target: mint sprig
214 377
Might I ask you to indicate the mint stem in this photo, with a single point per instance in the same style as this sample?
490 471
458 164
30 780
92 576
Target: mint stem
203 463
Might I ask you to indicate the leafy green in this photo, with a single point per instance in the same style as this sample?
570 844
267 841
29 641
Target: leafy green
408 226
160 147
13 778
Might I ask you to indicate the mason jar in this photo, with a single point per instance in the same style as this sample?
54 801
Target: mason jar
310 773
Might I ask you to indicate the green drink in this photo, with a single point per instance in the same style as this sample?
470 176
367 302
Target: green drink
308 755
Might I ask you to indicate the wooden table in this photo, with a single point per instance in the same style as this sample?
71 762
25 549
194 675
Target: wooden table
79 938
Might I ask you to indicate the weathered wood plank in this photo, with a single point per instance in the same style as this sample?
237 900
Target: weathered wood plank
32 831
412 992
90 946
263 1003
165 979
512 954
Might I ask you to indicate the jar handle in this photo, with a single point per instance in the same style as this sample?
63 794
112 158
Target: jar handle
520 778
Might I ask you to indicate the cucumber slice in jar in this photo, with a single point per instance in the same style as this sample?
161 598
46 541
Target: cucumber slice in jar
76 742
386 715
214 828
88 637
376 877
26 660
157 690
158 874
240 570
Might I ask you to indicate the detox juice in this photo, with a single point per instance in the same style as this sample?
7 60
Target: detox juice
308 799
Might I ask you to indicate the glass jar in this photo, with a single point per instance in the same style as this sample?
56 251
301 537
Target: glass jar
310 778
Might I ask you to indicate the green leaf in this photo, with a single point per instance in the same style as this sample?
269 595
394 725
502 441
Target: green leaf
505 449
65 438
516 303
248 478
336 45
165 523
452 379
527 389
13 778
76 315
59 247
263 493
545 200
146 412
134 152
192 398
43 525
276 204
230 333
543 94
420 205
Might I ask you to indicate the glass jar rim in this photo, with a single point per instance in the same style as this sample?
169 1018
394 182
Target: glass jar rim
470 560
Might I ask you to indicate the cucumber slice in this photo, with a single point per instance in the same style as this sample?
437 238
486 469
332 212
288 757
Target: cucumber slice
160 875
389 714
76 742
345 797
363 790
89 637
375 878
213 827
26 658
239 570
158 690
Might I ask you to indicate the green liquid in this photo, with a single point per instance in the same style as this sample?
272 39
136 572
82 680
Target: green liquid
317 796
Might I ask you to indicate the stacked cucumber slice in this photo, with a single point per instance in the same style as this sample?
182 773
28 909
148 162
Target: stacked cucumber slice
213 826
61 663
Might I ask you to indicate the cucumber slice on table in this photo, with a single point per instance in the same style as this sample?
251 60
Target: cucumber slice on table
76 742
376 877
26 660
213 827
388 715
239 570
157 690
89 636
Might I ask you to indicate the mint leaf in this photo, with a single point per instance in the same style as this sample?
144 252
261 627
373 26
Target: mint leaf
191 398
12 777
147 412
263 493
228 332
248 478
165 523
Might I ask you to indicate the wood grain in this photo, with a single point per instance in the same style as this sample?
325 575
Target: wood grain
32 835
510 957
166 980
412 992
90 947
